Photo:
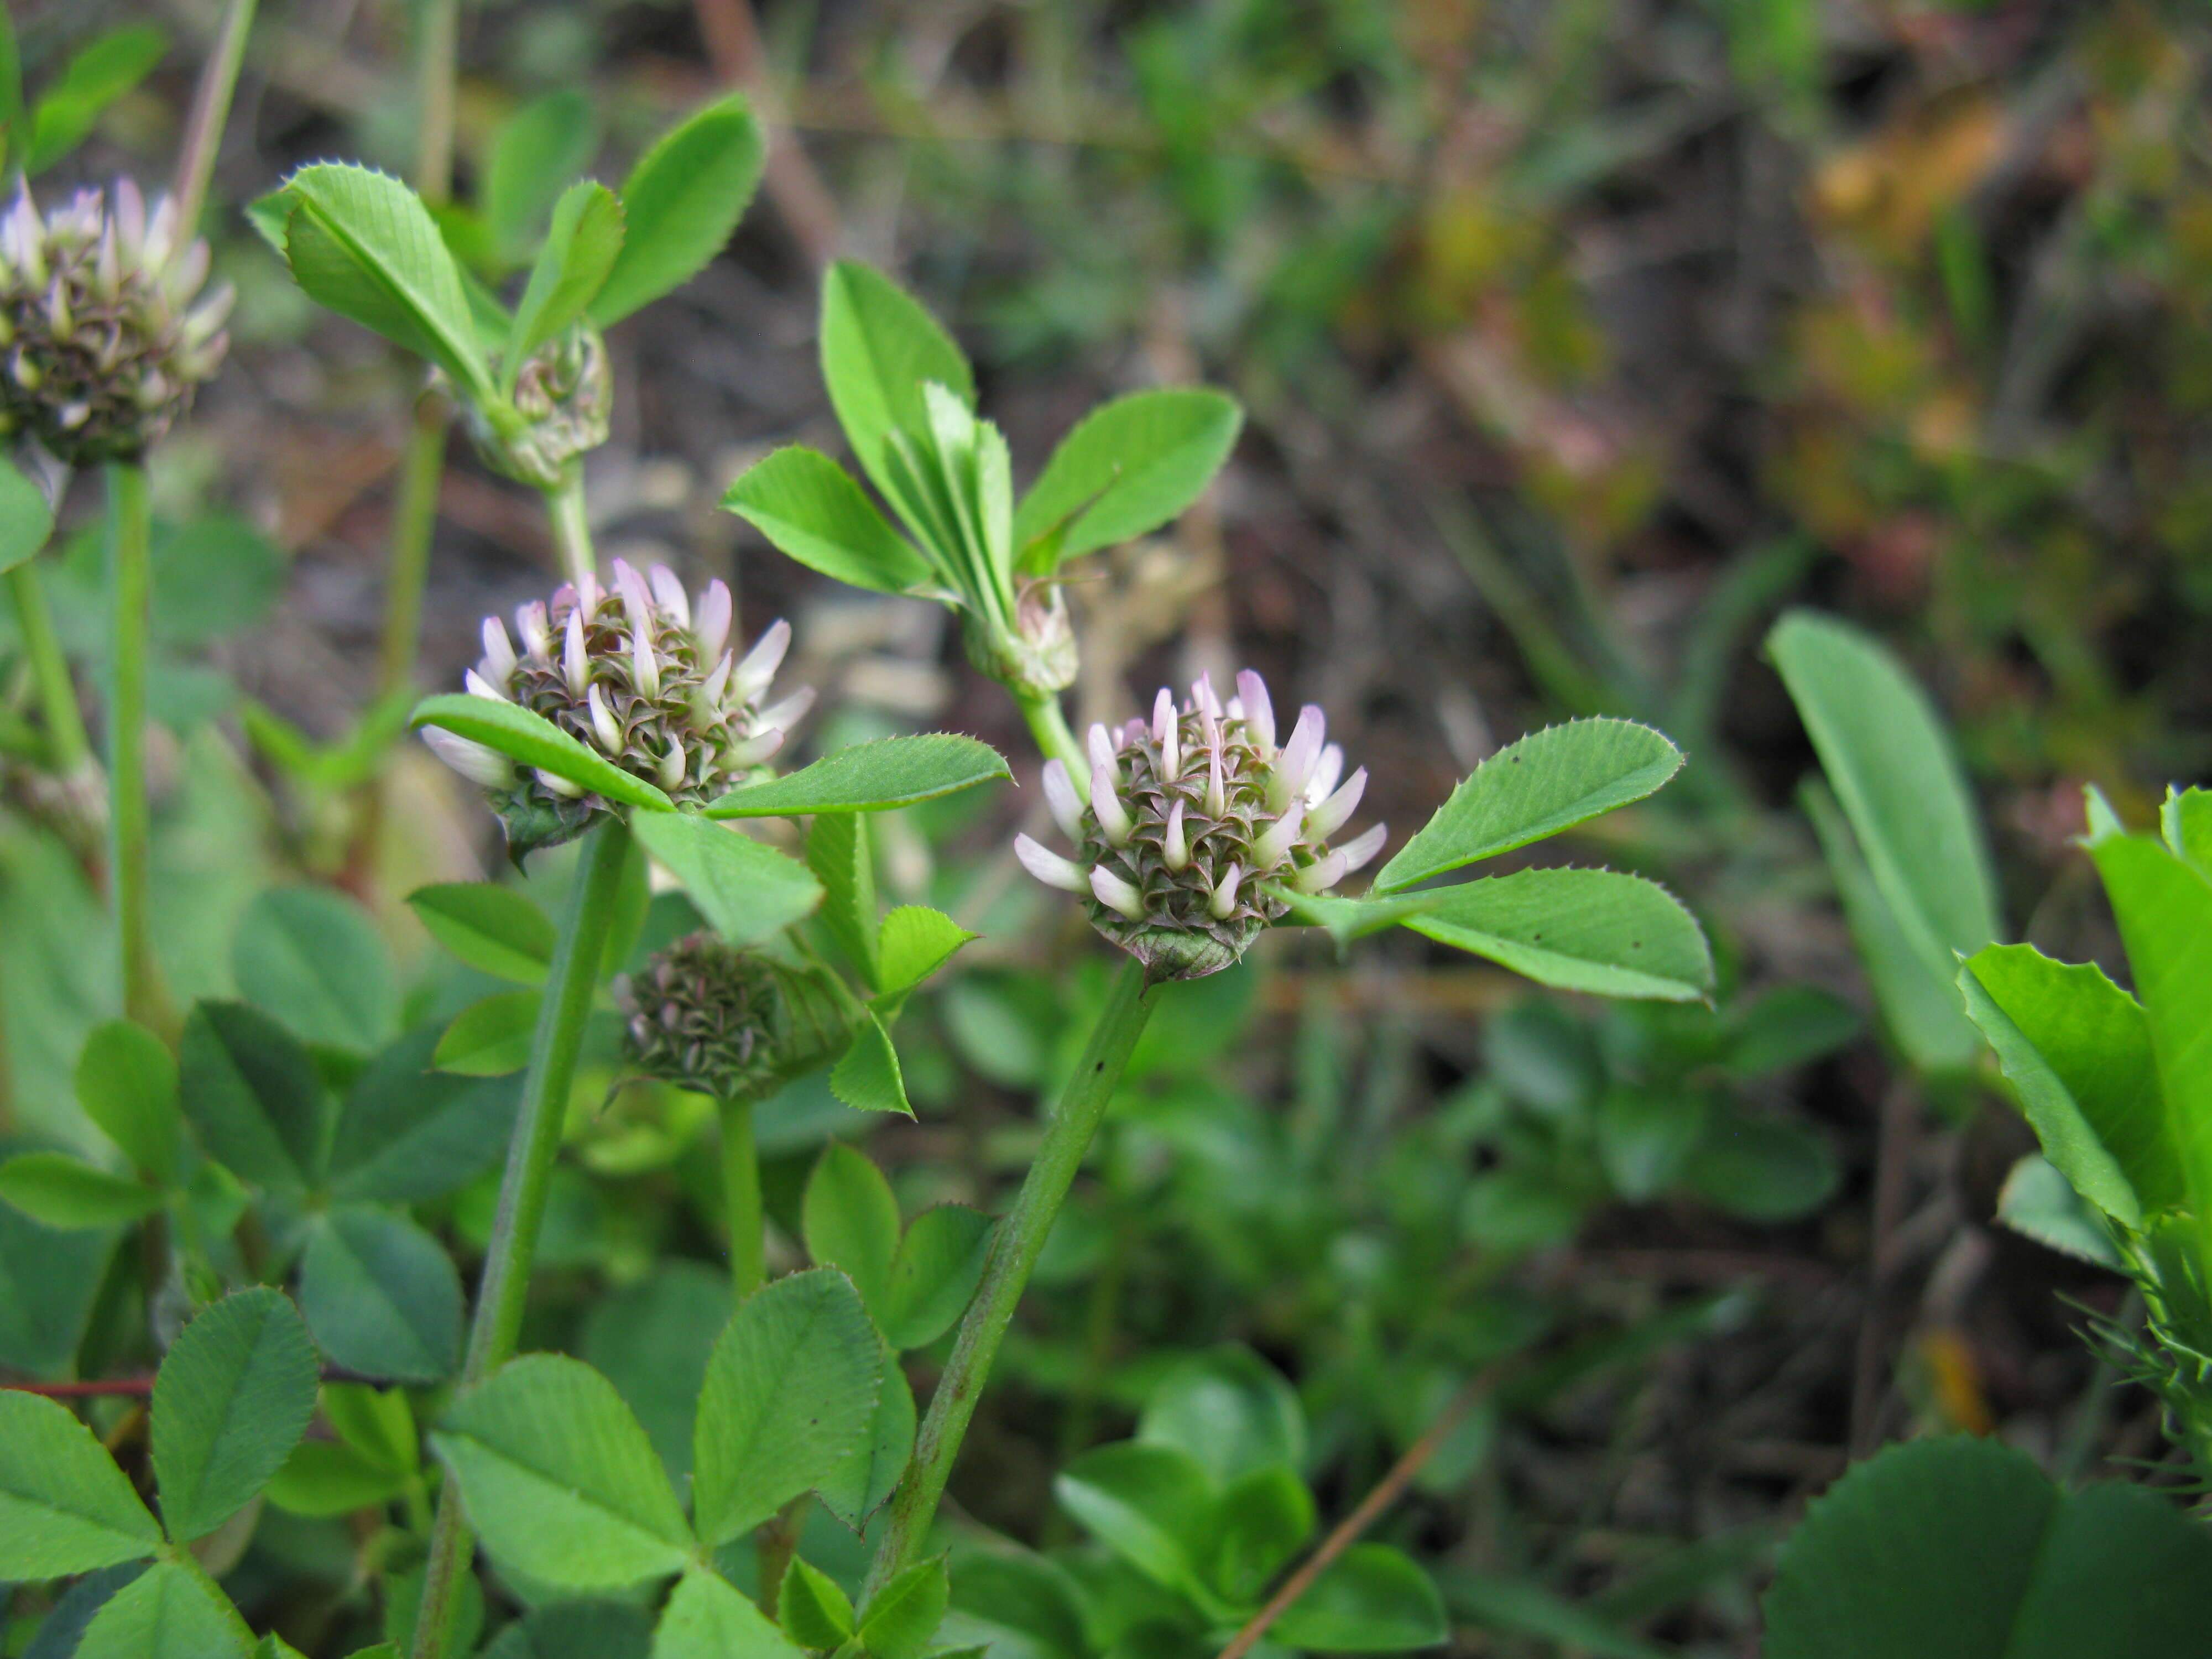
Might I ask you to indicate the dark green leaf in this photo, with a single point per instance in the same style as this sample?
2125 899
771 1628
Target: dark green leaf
65 1507
538 152
1549 781
901 1618
1267 1515
214 575
869 1076
489 1038
878 349
126 1082
233 1398
1580 930
1645 1136
809 508
650 1339
815 1613
864 1479
406 1133
1515 1606
166 1612
1762 1169
94 78
1030 1603
851 1221
251 1093
311 957
381 1296
1128 467
1230 1410
601 1628
532 740
935 1276
790 1389
1373 1599
1791 1026
494 929
1154 1506
1961 1549
682 200
579 251
838 852
61 1190
559 1480
48 1281
868 776
747 891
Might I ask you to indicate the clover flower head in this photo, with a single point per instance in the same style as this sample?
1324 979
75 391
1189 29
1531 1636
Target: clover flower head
635 671
103 324
709 1016
1191 822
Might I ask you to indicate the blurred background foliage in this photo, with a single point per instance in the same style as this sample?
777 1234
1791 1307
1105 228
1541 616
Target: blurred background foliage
1577 337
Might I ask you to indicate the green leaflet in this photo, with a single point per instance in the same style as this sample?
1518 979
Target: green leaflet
231 1401
65 1507
747 891
381 1296
1580 930
532 740
869 776
311 957
579 251
681 200
1128 467
878 349
809 508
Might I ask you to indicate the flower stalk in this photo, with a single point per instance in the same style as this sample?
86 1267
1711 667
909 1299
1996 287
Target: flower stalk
69 751
1014 1253
505 1286
572 526
741 1197
129 593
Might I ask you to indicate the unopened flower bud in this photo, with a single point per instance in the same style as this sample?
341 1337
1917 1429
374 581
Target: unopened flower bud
564 395
709 1016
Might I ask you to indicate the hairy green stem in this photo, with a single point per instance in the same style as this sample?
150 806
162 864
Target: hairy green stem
1014 1251
437 32
129 833
500 1293
572 530
741 1198
415 516
69 750
202 137
1050 729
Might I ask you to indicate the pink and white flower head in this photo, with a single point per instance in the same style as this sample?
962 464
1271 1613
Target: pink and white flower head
639 672
1190 825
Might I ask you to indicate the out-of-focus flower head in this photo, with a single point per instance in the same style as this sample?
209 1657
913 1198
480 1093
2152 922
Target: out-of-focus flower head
637 672
1188 821
103 324
709 1016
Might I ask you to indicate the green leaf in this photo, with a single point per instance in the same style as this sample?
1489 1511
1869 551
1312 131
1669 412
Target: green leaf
1513 1209
531 740
868 1076
489 1038
747 891
1373 1599
327 1478
1761 1170
251 1093
1028 1605
869 776
495 930
65 1507
865 1477
790 1387
378 1423
682 200
558 1478
126 1082
1230 1410
48 1283
705 1618
878 349
94 79
1960 1549
2078 1053
1267 1515
166 1612
1580 930
574 1628
1549 781
901 1618
814 1612
1883 747
1346 920
1791 1025
1921 1014
650 1339
579 251
2185 819
838 854
915 941
1154 1506
851 1221
1645 1136
1515 1606
1128 467
406 1133
361 244
27 520
2037 1202
309 956
61 1190
538 152
2164 909
381 1296
810 509
232 1400
935 1276
11 85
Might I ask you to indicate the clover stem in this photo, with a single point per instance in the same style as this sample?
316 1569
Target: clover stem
567 1004
414 519
1051 728
1014 1251
69 750
129 595
572 529
210 109
741 1196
